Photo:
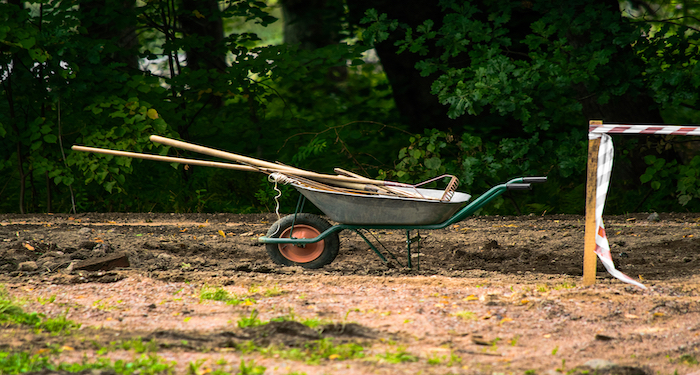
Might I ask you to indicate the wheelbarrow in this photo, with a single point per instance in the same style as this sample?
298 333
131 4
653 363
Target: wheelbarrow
311 242
357 203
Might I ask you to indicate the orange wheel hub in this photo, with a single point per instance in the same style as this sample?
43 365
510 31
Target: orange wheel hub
303 253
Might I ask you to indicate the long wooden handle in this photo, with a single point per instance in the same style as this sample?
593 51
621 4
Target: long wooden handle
168 159
384 189
265 165
219 153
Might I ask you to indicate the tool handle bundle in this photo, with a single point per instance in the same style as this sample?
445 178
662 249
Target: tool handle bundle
344 181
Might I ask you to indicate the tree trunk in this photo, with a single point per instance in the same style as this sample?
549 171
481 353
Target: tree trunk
109 19
202 18
419 108
313 24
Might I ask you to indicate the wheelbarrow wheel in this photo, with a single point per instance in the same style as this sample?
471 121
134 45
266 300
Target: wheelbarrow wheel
313 255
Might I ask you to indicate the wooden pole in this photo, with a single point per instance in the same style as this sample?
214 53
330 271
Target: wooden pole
589 256
343 181
167 159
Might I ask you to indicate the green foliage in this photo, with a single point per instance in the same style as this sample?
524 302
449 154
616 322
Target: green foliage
137 345
452 360
69 84
18 363
516 77
13 314
522 92
400 355
312 352
250 368
250 321
22 362
671 179
220 294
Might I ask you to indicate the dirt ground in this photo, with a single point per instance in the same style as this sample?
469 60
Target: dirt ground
491 295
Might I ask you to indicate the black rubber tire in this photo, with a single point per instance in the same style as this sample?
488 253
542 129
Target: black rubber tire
331 244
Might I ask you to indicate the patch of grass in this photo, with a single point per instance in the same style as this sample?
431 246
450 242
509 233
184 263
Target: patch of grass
312 353
274 291
514 340
43 301
466 315
13 314
400 355
444 360
22 362
17 363
564 286
137 345
315 322
220 294
253 289
250 368
251 321
687 359
106 305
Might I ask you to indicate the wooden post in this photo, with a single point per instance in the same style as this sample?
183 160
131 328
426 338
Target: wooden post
589 257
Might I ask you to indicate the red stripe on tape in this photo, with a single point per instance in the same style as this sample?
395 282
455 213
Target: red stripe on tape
683 131
651 130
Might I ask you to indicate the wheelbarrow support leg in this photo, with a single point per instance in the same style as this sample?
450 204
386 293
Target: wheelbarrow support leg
300 207
409 241
408 247
371 246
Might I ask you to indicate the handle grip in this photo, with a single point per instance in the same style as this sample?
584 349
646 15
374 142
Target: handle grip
519 186
534 179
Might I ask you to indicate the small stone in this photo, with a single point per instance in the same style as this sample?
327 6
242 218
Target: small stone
27 266
84 230
599 364
654 217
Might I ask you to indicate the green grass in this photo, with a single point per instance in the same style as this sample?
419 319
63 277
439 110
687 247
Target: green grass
274 291
137 345
437 360
22 362
220 294
251 321
11 313
466 315
312 353
400 355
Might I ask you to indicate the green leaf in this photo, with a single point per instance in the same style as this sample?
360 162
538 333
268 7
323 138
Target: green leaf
109 186
433 163
50 138
38 55
28 43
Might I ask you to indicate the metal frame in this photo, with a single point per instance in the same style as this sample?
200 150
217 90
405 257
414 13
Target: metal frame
521 183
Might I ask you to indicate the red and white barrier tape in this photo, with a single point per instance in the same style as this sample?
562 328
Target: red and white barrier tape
602 248
644 129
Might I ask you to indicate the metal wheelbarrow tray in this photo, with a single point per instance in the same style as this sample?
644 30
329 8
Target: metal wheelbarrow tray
311 242
356 209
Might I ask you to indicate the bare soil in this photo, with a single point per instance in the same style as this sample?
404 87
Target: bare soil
498 295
